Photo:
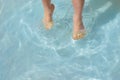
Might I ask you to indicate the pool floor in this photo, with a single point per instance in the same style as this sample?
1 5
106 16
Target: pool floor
29 52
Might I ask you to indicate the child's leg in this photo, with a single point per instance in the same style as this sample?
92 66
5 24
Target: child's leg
48 12
77 19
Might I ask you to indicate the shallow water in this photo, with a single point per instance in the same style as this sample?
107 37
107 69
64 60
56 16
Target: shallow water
29 52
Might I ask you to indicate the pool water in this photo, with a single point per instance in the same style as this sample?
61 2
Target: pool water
29 52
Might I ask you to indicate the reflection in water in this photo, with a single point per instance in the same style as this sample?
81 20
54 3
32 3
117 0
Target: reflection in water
29 52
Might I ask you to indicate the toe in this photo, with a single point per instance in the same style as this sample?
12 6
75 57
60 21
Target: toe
79 35
48 25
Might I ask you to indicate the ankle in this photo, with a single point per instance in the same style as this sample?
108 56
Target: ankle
77 21
47 12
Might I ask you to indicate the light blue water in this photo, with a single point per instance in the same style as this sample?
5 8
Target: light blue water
29 52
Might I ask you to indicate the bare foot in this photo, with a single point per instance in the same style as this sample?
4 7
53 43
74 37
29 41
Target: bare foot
47 20
78 30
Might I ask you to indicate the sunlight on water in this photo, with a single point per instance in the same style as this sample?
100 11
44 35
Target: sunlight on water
29 52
